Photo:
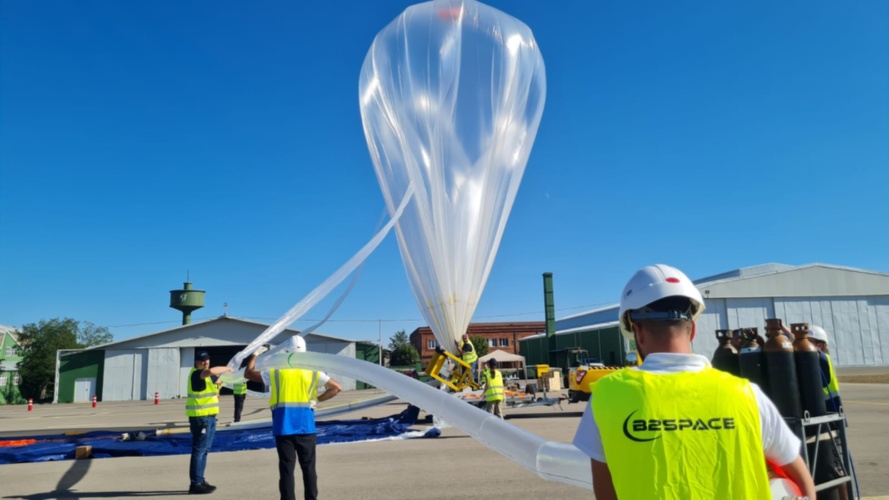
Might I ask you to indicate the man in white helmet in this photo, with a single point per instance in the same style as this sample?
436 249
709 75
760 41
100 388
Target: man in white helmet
831 387
293 392
833 469
674 427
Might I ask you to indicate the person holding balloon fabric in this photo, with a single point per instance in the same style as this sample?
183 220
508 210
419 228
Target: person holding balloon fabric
467 352
293 392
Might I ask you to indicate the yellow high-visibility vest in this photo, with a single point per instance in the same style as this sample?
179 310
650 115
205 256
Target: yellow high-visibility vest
681 436
292 391
470 357
833 387
495 386
202 403
239 389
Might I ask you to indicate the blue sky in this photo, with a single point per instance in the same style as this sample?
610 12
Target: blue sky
143 140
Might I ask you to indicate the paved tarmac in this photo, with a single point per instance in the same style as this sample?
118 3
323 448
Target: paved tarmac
453 466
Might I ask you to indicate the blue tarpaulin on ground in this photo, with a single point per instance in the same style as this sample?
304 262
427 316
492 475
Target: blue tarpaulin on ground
106 444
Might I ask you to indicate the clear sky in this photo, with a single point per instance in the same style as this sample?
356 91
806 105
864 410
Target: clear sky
143 140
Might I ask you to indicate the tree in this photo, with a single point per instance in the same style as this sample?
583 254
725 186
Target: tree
480 344
40 342
403 353
398 339
90 335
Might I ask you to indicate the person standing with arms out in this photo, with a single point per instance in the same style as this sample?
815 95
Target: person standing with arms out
675 427
293 419
467 352
493 389
201 408
239 391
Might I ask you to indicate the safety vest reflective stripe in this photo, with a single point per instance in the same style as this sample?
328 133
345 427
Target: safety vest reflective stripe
290 405
201 403
495 387
681 436
292 391
239 389
201 407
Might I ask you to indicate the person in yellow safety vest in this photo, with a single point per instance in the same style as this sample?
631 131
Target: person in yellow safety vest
493 389
833 469
239 391
467 352
829 382
675 427
486 375
293 395
201 408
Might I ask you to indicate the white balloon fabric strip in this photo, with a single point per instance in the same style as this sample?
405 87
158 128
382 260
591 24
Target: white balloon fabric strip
451 95
550 460
323 289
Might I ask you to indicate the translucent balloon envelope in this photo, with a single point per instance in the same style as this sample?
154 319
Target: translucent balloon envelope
451 96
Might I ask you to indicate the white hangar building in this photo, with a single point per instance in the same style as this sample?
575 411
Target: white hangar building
851 304
134 369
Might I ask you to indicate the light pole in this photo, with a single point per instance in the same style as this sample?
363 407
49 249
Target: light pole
380 333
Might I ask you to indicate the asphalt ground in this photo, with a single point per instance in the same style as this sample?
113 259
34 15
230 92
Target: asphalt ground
453 466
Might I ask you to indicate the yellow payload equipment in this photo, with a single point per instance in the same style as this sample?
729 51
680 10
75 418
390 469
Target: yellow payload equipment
460 377
581 377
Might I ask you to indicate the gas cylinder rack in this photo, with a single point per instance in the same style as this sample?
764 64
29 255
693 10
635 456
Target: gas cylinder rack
820 428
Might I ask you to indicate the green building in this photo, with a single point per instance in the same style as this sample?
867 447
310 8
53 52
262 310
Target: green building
602 342
10 356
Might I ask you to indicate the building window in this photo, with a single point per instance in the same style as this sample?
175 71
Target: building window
504 342
10 351
492 342
17 379
2 380
431 344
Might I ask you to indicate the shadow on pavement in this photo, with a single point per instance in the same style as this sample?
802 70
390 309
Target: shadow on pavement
75 474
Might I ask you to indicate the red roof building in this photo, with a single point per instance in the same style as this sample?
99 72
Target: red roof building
503 336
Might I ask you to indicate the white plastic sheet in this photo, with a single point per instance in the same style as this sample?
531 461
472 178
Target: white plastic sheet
550 460
451 95
319 292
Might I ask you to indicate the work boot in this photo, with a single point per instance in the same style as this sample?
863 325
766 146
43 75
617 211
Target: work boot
208 485
200 489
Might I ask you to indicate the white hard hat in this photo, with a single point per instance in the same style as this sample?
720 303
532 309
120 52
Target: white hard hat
653 283
818 333
297 343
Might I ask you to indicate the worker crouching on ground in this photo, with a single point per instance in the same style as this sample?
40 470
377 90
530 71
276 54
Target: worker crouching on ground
494 389
293 392
675 427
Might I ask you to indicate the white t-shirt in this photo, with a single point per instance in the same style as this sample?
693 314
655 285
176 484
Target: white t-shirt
779 443
267 380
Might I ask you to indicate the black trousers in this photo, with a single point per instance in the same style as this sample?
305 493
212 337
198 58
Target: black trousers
239 406
290 448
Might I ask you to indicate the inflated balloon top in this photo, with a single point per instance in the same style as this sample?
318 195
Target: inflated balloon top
451 96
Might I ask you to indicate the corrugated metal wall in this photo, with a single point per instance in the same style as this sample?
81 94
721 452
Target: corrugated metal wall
163 373
858 327
125 380
606 344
